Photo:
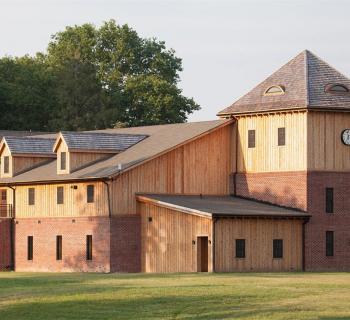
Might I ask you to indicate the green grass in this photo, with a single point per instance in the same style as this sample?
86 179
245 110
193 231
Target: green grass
175 296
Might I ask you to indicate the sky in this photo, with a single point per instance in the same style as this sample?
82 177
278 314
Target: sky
227 47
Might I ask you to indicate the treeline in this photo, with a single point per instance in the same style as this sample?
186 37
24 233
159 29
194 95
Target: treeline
93 78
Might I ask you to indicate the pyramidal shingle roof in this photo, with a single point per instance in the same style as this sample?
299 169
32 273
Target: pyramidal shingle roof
304 80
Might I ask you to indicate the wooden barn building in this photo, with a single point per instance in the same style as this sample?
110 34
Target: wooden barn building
264 188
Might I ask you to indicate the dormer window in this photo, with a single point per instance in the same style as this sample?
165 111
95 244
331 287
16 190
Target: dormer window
337 89
6 164
274 90
63 160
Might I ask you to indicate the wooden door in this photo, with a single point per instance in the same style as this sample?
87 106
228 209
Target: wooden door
202 254
3 203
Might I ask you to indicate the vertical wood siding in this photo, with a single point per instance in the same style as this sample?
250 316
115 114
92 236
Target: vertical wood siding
167 241
259 235
201 166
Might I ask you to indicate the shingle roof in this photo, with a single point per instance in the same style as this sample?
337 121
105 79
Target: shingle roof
100 141
223 206
15 133
160 139
29 145
304 79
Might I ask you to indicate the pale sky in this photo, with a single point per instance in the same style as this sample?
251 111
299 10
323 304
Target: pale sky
227 47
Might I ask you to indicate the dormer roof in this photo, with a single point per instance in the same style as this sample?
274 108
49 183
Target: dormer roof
304 80
29 146
97 142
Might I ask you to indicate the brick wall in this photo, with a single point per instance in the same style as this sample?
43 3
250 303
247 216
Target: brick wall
339 222
126 244
73 232
282 188
5 244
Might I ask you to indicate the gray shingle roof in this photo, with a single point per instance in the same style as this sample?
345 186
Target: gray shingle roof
28 145
101 141
304 79
225 205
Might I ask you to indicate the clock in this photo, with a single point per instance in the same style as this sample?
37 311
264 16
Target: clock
345 137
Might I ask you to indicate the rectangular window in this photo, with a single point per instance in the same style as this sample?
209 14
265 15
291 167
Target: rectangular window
281 136
58 247
89 247
240 248
329 200
6 164
31 196
3 196
277 248
329 243
90 193
63 160
251 138
30 248
60 195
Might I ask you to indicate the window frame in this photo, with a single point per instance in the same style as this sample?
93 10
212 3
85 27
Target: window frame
88 247
277 249
281 136
329 198
240 248
6 164
59 241
31 196
90 193
63 164
251 139
30 248
329 243
60 195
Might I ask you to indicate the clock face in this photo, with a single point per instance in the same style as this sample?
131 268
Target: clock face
345 137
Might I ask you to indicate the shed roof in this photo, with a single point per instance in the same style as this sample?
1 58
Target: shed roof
160 139
304 78
29 146
221 206
97 141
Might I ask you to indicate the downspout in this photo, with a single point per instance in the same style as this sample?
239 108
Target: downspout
12 229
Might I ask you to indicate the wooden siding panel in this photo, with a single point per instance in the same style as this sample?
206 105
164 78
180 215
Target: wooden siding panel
259 235
201 166
167 240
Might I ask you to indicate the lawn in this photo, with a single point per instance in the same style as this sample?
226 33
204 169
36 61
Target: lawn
175 296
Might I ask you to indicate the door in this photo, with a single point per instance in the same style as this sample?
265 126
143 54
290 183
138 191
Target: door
202 254
3 203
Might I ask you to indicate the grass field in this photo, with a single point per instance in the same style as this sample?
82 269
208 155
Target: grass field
176 296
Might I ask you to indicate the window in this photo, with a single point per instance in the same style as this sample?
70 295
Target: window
30 248
63 160
274 90
31 196
251 138
329 243
281 136
89 247
58 247
90 193
277 248
329 200
60 195
240 248
337 89
6 164
4 195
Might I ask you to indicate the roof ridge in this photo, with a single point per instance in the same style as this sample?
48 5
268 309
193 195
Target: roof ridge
307 84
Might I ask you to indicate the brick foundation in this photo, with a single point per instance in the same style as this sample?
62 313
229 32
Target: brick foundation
5 244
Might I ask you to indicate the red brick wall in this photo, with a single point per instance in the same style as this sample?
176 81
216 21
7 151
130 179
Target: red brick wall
5 244
73 231
126 244
339 222
283 188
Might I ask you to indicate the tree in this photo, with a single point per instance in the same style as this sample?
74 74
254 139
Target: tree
93 78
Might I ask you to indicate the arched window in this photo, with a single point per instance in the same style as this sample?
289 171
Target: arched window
337 88
274 90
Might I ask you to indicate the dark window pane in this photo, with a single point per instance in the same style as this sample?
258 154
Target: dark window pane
31 196
63 160
3 195
240 248
30 248
6 164
278 248
89 247
59 248
281 136
329 243
251 138
60 195
90 190
329 200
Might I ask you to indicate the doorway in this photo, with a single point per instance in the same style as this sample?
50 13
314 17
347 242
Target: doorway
202 254
3 203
